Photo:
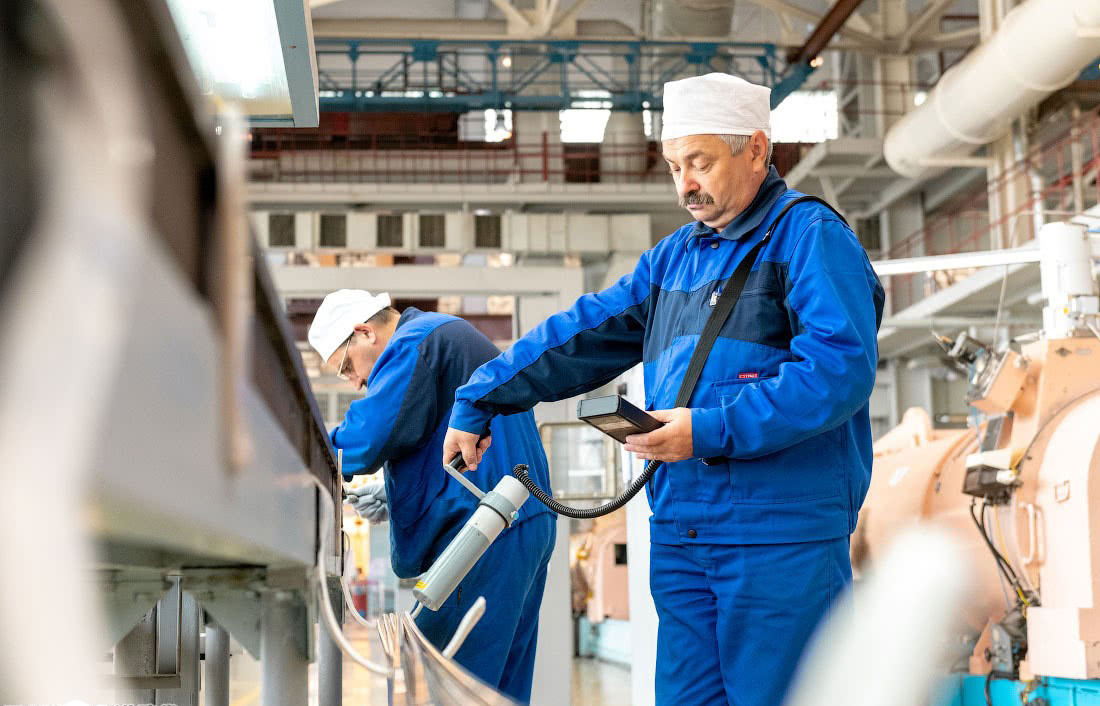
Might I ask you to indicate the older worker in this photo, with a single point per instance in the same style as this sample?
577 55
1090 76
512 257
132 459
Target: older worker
411 364
748 552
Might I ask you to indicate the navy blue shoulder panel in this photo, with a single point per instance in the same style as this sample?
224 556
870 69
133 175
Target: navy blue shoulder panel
454 350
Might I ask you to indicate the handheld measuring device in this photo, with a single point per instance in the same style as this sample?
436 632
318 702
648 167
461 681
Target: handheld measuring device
616 417
496 510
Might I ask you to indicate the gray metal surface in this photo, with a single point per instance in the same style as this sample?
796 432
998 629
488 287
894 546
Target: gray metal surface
283 657
178 645
432 679
217 665
135 656
330 660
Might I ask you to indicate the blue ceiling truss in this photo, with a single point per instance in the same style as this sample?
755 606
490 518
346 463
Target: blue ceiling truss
466 74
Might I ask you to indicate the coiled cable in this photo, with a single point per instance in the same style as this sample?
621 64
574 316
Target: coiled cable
520 472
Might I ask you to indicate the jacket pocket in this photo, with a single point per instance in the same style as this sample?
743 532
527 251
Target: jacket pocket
813 469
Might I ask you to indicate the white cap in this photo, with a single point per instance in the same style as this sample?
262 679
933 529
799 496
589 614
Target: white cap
338 315
715 104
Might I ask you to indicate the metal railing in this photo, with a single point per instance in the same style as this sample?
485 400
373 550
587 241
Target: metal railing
516 161
1061 181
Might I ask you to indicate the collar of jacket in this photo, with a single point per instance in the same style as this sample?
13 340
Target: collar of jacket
408 315
748 220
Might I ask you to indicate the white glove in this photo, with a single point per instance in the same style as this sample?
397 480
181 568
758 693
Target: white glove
370 502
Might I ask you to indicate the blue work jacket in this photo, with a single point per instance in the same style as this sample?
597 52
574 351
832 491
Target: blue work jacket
401 422
783 396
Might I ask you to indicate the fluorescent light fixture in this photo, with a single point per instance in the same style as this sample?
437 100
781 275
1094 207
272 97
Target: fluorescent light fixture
255 54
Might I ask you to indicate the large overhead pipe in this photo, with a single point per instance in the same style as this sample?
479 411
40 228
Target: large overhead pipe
1041 46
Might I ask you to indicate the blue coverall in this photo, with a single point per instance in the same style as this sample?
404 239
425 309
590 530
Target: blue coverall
746 555
400 424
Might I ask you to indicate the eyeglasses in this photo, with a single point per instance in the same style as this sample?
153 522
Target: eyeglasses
343 370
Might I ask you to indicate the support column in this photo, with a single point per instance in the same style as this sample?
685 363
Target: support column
330 660
179 619
538 140
135 655
217 664
285 666
622 153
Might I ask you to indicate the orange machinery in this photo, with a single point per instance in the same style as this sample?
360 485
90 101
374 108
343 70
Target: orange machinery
1029 473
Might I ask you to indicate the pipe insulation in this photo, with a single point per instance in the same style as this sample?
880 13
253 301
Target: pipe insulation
1040 47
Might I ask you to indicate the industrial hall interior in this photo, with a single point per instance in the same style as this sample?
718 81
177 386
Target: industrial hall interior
550 352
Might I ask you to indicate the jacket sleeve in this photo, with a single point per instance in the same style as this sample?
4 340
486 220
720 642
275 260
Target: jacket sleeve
397 415
838 300
571 352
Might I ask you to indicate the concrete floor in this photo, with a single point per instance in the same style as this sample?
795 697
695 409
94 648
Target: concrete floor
595 683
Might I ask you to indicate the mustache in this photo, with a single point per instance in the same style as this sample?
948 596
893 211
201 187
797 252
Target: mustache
696 198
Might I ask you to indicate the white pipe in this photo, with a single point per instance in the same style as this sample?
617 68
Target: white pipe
1041 46
1066 270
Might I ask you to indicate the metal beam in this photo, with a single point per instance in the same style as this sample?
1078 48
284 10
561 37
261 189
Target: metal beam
930 13
826 29
957 261
300 60
959 39
960 321
781 6
512 13
621 198
569 15
429 280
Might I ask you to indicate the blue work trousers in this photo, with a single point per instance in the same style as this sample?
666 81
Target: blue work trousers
734 619
511 575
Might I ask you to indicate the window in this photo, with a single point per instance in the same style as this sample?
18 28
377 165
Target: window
620 555
432 230
334 230
322 405
487 231
391 231
280 230
343 401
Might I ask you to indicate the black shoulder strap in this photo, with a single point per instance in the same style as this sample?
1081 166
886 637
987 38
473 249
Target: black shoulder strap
731 292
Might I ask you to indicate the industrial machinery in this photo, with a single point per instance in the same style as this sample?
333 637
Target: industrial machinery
1019 488
168 480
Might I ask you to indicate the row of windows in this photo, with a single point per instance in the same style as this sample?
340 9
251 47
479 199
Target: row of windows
390 230
335 405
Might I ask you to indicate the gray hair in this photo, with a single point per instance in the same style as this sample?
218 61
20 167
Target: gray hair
738 143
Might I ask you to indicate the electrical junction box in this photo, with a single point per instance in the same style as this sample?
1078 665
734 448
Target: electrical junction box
991 474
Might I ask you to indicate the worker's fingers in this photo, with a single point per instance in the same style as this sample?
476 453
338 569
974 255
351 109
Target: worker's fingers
663 415
458 441
482 447
649 439
642 451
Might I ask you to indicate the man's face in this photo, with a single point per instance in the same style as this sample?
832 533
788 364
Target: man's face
363 350
714 184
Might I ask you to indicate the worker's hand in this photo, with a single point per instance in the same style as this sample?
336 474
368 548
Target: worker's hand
672 442
370 502
466 442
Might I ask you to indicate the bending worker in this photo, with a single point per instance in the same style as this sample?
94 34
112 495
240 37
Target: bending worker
749 549
411 366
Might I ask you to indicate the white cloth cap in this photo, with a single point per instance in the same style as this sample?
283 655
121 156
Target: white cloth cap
338 315
715 104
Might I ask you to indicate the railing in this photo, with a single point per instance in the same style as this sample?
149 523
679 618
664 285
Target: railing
1057 178
513 162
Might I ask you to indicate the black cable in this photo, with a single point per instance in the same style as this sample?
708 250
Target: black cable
1010 573
988 693
520 472
1002 563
